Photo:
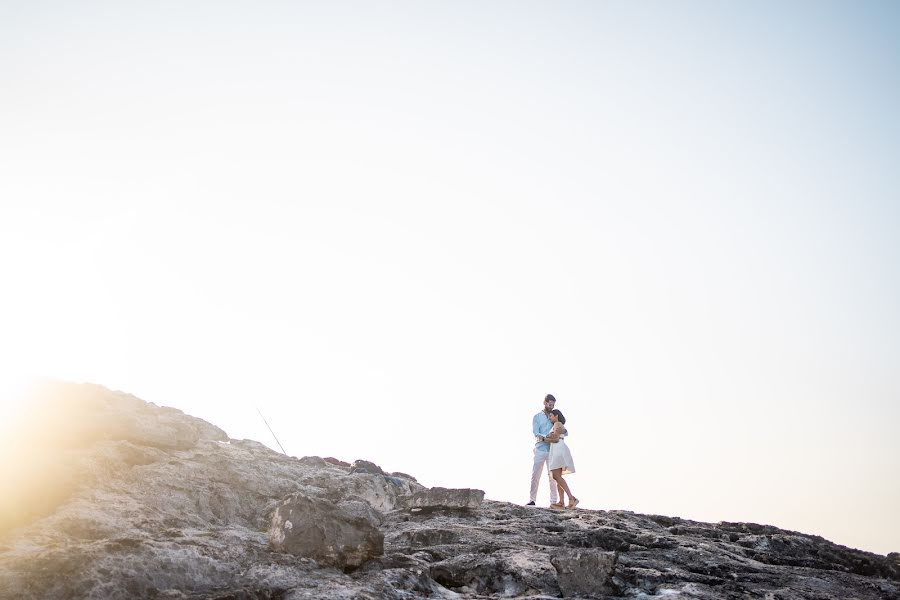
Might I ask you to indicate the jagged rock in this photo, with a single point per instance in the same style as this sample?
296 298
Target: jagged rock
325 532
364 466
503 572
123 514
382 493
585 573
424 538
443 498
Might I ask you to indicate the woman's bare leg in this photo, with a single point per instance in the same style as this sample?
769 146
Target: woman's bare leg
563 487
573 501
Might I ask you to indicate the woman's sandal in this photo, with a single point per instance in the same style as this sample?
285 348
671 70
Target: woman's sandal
573 504
560 505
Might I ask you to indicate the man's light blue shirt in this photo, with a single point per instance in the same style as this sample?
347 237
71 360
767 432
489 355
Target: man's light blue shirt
542 426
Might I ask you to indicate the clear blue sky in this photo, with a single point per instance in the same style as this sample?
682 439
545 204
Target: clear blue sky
395 226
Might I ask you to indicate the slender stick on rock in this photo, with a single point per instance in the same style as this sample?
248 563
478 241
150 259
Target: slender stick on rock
270 430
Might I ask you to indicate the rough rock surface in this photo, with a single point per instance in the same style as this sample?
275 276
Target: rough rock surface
585 572
322 530
131 500
440 498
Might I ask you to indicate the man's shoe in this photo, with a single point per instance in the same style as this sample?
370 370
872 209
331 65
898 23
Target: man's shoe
530 503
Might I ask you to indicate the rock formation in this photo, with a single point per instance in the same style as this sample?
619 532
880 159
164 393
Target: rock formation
322 530
124 499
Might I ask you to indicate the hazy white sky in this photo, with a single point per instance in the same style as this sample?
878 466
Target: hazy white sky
393 227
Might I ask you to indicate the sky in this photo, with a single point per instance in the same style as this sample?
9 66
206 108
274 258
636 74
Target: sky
393 227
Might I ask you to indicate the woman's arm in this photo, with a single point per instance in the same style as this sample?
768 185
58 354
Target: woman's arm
555 433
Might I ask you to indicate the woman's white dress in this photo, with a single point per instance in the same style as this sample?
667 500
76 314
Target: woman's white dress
560 457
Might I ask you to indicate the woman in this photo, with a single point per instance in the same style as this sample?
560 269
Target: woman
560 460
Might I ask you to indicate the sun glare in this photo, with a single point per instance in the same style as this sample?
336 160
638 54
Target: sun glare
12 394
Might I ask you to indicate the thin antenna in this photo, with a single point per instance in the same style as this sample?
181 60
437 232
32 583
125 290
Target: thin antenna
270 430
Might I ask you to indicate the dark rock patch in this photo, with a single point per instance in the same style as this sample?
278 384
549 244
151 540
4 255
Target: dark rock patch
324 532
364 466
585 573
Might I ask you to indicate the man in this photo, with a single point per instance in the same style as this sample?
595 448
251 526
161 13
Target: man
541 426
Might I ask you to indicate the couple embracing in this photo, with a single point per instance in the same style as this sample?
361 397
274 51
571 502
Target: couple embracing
550 448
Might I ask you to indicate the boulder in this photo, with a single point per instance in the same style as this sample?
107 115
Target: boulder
585 573
444 498
362 510
381 492
327 533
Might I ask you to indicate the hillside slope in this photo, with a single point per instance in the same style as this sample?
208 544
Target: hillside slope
120 498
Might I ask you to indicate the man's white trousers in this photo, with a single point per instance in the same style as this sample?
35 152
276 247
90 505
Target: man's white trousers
540 461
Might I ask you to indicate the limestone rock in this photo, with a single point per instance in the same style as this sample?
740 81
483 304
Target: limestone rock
585 573
313 461
161 505
444 498
324 532
505 573
365 466
402 475
424 538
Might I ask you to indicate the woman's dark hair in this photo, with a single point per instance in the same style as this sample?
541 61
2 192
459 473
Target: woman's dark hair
559 415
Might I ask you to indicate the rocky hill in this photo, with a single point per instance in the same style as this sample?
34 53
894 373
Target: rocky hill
117 498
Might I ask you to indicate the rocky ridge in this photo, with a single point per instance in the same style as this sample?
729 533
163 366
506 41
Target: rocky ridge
123 499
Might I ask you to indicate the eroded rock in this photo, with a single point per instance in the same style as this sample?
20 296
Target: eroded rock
585 573
505 573
444 498
365 466
327 533
125 513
